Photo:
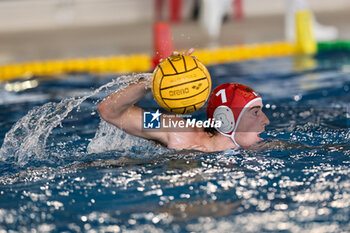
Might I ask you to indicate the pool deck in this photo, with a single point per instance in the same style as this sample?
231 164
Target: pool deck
104 40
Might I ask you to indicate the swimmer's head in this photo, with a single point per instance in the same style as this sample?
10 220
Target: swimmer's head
239 108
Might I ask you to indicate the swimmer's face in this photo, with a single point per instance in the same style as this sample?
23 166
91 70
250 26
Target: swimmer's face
251 125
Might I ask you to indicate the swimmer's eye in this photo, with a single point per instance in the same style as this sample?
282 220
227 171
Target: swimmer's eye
255 111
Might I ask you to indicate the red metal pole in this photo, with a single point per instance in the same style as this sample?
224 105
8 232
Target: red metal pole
238 9
175 10
162 42
158 7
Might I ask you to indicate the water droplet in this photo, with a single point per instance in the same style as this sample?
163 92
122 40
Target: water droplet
297 97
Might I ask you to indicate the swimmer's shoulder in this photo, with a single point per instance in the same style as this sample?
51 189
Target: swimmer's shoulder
194 139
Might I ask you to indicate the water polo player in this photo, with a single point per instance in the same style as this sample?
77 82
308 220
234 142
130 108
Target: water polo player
237 106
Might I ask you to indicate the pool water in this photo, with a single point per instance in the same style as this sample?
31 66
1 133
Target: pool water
63 169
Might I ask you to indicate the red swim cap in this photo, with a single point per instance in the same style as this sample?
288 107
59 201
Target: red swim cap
227 103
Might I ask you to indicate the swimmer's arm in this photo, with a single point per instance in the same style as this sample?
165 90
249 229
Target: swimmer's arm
118 109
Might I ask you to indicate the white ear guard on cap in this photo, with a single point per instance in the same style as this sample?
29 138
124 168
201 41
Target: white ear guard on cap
225 115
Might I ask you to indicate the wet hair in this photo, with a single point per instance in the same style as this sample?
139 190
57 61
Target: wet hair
211 131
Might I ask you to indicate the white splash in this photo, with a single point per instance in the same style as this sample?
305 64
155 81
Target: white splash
109 137
27 138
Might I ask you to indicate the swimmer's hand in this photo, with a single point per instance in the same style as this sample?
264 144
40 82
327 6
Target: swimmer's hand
187 53
147 79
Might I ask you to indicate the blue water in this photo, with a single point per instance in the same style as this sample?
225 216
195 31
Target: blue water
63 169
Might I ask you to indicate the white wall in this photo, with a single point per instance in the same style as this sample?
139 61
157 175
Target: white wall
38 14
33 14
265 7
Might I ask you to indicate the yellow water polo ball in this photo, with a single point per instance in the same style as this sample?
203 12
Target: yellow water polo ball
181 84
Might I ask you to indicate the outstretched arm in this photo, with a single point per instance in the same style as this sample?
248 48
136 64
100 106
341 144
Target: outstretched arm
118 109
